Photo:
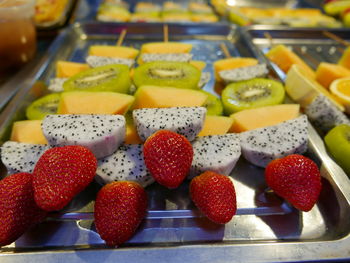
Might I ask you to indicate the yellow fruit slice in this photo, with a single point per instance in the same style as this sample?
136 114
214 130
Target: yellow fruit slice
67 69
264 116
113 51
86 102
284 58
340 88
216 125
303 89
232 63
345 58
200 65
326 73
166 48
131 135
28 131
165 97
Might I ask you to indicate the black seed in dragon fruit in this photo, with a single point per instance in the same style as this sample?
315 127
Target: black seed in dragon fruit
126 164
187 121
98 61
102 134
324 115
21 157
262 145
218 153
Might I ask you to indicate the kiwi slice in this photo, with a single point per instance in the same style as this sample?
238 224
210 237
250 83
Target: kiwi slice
338 144
164 73
105 78
213 104
252 93
43 106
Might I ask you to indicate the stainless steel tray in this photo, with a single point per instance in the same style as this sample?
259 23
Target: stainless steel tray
265 229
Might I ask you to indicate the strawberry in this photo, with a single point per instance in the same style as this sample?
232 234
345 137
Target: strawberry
119 209
214 194
296 179
18 210
60 174
168 156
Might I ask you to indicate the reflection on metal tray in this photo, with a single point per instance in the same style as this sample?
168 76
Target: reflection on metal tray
265 229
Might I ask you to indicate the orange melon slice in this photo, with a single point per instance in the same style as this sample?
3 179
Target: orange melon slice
113 51
165 97
67 69
200 65
166 48
85 102
216 125
232 63
326 73
264 116
284 58
345 58
131 135
28 131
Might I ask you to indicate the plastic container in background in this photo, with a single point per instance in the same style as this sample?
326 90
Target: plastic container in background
17 34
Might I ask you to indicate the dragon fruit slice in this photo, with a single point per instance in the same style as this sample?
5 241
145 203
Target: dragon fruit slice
205 78
56 84
260 146
324 114
126 163
218 153
102 134
176 57
21 157
244 73
97 61
187 121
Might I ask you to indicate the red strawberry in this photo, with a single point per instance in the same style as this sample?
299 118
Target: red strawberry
60 174
295 178
18 210
168 156
119 209
214 194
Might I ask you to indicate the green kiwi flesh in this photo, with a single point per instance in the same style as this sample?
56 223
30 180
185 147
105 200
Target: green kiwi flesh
338 144
43 106
105 78
170 74
213 104
252 93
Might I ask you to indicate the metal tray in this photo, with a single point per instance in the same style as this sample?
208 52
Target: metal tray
265 229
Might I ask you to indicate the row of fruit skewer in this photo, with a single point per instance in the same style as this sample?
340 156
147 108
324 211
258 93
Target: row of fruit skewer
168 148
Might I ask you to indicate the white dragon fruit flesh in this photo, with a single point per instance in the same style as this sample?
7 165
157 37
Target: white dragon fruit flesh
217 153
262 145
102 134
187 121
98 61
324 114
56 84
244 73
205 78
176 57
21 157
126 163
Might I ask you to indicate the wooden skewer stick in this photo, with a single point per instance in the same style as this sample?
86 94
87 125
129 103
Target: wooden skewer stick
225 50
121 37
336 38
269 37
166 33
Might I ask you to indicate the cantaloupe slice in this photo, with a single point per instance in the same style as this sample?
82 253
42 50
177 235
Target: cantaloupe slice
113 51
28 131
166 48
264 116
165 97
284 58
67 69
200 65
326 73
345 58
85 102
232 63
131 135
216 125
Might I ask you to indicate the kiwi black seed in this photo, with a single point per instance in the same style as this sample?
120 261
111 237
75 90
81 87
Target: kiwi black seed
252 94
48 104
170 74
105 78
